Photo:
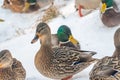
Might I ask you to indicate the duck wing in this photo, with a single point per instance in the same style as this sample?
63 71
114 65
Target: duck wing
70 60
106 68
18 69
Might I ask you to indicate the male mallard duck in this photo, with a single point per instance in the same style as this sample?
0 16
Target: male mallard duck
10 68
108 68
64 38
110 10
86 4
58 62
21 5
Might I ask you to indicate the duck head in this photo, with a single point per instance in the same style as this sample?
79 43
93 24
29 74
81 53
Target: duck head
106 4
64 34
117 39
42 32
5 59
117 43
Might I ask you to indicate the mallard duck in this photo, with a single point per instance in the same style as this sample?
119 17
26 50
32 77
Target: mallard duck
58 62
64 38
21 5
110 12
86 4
108 68
10 68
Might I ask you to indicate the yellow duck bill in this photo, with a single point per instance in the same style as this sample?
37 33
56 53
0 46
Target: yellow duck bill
73 40
26 7
103 8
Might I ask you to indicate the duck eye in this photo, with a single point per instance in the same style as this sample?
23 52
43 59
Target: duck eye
61 30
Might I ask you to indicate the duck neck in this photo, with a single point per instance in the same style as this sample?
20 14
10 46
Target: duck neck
45 41
46 44
45 51
116 53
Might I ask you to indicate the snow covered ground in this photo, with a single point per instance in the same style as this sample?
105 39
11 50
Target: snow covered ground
18 30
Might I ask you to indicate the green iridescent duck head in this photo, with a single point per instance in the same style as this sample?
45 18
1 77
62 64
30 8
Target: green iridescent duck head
106 4
64 34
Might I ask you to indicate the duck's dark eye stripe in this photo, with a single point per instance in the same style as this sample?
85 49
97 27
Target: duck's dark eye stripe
3 57
41 27
2 54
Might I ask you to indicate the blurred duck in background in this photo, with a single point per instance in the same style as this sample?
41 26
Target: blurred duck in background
10 68
110 12
108 68
25 5
86 5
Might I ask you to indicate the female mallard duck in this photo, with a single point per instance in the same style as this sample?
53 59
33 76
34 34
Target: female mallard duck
58 62
10 68
21 5
64 38
86 4
110 12
108 68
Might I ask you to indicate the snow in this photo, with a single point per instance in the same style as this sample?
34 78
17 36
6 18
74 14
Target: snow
18 30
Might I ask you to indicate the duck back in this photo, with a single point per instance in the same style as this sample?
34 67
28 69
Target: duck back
111 18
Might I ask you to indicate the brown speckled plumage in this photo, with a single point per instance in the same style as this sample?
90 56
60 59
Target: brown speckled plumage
59 62
108 68
14 71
